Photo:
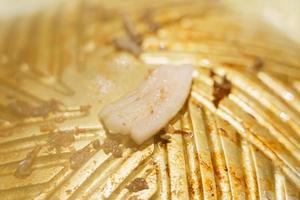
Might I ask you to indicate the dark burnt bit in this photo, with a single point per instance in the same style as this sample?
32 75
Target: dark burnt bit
113 147
24 109
211 73
25 166
163 136
184 132
137 184
225 169
221 90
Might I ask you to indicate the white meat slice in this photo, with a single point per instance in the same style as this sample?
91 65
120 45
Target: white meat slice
146 110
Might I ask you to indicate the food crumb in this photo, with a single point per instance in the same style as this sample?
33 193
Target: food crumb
80 157
258 64
47 127
221 90
68 191
137 184
59 139
96 145
164 138
211 73
85 108
24 109
25 166
112 146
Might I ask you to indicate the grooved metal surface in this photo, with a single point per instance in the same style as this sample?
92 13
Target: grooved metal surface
246 148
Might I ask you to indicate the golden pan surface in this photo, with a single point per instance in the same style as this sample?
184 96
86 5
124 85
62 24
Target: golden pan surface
62 62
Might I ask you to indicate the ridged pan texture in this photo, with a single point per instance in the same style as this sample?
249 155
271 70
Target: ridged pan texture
62 64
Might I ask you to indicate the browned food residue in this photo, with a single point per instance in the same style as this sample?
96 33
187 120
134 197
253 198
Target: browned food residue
184 132
24 109
48 127
85 108
172 130
59 139
96 145
169 129
25 166
211 73
257 65
80 157
164 138
221 90
231 137
137 184
233 65
134 198
112 146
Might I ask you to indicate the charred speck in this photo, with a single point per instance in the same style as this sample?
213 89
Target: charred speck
137 184
211 73
221 90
